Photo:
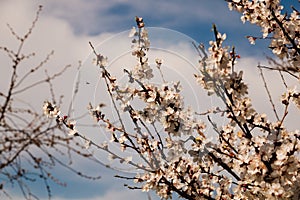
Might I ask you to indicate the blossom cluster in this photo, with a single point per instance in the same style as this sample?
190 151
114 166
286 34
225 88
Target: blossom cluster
50 110
283 29
140 47
291 94
261 154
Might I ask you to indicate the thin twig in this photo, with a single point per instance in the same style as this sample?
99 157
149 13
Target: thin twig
268 92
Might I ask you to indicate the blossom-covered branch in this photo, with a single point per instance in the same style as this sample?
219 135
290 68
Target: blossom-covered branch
252 157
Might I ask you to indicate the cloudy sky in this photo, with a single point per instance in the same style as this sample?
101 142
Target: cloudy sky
67 26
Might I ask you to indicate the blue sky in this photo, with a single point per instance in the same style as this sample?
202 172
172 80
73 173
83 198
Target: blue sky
193 18
66 26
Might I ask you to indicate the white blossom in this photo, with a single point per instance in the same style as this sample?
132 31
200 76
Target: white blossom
50 110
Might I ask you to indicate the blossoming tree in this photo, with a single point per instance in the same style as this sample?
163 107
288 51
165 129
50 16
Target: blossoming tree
252 157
